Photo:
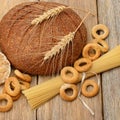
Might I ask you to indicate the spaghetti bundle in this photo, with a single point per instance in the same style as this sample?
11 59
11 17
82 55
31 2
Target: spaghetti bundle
39 94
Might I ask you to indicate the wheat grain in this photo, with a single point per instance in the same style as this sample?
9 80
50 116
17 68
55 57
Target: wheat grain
48 14
60 46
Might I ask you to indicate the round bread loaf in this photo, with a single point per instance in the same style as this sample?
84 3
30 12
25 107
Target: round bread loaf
25 45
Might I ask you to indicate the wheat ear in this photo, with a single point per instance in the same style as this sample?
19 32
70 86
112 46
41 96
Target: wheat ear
63 42
60 46
51 13
48 14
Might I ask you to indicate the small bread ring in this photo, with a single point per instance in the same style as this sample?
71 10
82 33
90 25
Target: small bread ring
14 98
24 77
12 81
89 48
9 104
102 44
94 91
70 75
4 91
24 85
99 27
86 64
65 96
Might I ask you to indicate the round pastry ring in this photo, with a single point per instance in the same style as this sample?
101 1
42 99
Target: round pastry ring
91 46
102 44
66 77
15 83
9 104
82 68
67 97
94 90
99 27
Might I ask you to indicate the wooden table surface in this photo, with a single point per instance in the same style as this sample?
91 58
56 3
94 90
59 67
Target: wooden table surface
106 104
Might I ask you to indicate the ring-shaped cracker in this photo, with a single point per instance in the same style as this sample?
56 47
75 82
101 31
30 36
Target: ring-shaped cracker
92 92
100 27
102 44
91 51
12 81
14 98
67 97
9 104
24 85
69 75
82 64
22 76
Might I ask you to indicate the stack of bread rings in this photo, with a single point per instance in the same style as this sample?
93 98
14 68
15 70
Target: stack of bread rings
12 89
71 75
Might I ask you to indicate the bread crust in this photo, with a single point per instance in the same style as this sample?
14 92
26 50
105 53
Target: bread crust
25 44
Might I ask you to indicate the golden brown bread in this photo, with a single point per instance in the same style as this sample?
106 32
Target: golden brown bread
25 45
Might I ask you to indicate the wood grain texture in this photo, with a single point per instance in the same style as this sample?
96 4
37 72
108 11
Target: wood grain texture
57 109
6 5
109 14
21 110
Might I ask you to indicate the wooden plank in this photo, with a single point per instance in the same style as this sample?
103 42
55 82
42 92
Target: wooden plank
6 5
109 14
57 109
21 110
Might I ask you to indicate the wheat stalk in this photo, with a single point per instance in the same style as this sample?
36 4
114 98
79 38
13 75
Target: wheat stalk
63 42
48 14
51 13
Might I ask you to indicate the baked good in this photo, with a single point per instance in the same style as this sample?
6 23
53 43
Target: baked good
25 44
